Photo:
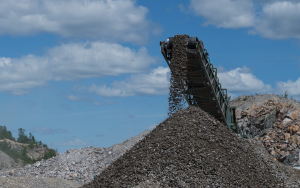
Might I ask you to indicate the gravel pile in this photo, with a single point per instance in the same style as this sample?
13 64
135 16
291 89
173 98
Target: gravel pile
193 149
33 182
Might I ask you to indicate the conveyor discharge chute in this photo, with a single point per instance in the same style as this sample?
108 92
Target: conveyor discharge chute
201 86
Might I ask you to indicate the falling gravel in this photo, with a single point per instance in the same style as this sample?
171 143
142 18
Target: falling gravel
178 74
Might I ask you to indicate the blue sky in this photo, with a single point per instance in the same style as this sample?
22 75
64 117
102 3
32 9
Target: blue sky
90 73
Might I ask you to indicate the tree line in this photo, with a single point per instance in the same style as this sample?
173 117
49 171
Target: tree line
22 138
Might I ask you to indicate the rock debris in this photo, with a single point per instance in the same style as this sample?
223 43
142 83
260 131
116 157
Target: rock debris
193 149
76 165
272 121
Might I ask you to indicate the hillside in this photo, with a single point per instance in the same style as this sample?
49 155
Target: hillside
13 154
21 151
6 161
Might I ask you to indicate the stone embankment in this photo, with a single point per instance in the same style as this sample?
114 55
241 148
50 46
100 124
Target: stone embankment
272 121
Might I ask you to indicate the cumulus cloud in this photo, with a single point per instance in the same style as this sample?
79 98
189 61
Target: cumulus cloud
73 98
49 131
293 88
279 20
242 80
271 1
114 20
97 103
151 127
225 13
69 62
154 83
182 8
73 142
84 99
269 19
110 102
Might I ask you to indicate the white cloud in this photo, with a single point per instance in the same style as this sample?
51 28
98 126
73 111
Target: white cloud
73 142
242 80
279 20
73 98
155 83
293 88
151 127
84 60
69 62
84 99
269 19
97 103
113 20
49 131
225 13
110 102
182 8
272 1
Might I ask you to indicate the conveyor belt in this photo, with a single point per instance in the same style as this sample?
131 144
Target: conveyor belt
199 83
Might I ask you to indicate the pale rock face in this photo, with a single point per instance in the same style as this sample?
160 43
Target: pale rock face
79 165
6 161
286 120
37 164
269 115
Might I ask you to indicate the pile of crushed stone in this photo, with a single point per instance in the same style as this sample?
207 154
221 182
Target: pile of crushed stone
193 149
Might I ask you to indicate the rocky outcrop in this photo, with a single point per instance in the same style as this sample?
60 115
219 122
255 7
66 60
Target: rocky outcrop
36 153
272 121
6 161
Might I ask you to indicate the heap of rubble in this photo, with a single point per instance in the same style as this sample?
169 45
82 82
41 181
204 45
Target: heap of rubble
77 165
193 149
272 121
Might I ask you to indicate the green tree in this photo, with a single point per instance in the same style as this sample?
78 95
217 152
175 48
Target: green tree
24 151
285 95
9 136
30 136
22 137
31 145
4 133
49 153
33 139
